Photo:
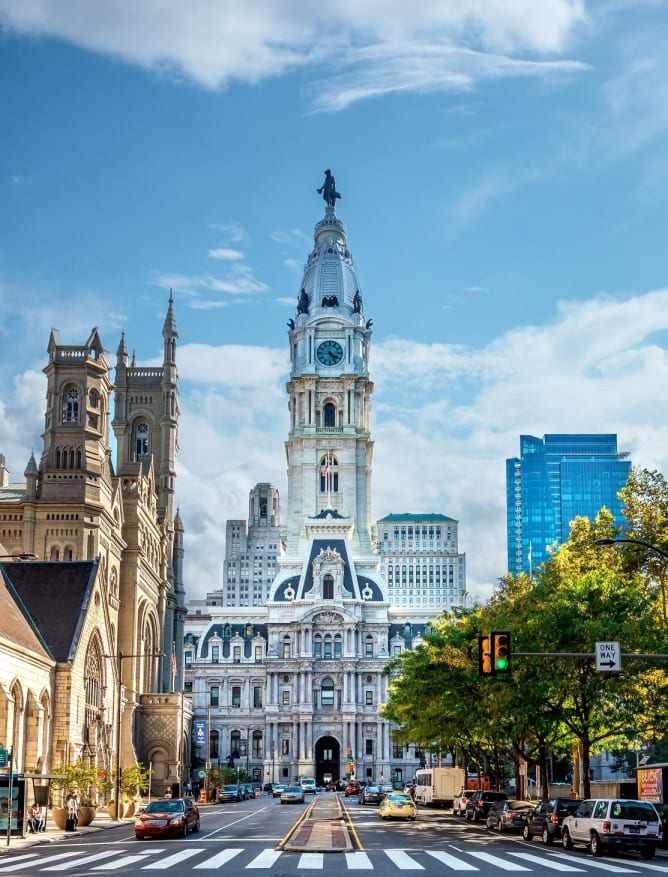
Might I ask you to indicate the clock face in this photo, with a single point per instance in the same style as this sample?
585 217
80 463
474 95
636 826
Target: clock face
329 352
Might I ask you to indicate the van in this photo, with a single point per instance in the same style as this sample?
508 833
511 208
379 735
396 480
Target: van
308 785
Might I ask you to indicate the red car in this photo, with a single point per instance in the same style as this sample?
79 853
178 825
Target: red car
170 817
352 788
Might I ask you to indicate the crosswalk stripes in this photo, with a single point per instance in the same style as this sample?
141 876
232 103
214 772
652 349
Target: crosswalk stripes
472 858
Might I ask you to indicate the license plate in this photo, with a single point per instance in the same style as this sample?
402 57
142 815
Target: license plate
157 822
634 829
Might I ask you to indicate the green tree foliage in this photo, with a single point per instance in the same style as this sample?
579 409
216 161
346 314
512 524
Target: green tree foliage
584 594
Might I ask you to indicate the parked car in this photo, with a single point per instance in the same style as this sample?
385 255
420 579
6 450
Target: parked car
607 824
292 795
508 815
545 820
230 792
352 788
170 817
396 805
459 804
371 795
277 789
247 791
478 805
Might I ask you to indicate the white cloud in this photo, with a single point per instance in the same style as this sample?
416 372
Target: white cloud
215 44
226 254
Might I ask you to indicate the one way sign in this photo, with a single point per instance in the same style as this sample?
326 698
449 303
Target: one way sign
608 657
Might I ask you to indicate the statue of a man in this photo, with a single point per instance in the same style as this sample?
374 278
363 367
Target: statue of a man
328 189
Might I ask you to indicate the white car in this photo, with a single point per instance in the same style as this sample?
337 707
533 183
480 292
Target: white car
459 804
308 785
607 824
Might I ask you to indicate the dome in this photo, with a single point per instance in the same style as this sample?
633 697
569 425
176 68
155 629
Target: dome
330 279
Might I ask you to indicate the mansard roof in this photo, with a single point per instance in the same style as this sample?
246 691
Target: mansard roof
410 516
227 631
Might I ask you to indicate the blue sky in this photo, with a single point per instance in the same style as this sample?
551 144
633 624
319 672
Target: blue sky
504 173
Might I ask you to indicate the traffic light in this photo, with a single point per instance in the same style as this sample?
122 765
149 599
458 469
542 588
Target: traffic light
500 652
485 656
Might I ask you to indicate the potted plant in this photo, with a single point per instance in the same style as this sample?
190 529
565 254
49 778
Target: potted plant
133 780
79 781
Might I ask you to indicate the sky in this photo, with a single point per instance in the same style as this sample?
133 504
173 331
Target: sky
504 177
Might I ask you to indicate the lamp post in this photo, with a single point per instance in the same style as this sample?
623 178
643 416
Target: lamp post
621 540
120 657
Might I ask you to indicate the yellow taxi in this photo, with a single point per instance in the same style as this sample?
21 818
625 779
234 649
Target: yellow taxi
397 805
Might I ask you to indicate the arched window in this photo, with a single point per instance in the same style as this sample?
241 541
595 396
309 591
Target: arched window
317 646
329 414
93 693
328 587
329 474
257 750
71 405
235 744
328 647
327 692
214 744
141 439
287 647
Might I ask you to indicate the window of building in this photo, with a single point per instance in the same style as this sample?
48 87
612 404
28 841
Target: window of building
141 439
327 692
328 647
287 650
368 697
215 654
71 405
328 587
235 744
397 750
188 658
286 696
257 696
368 746
258 654
317 646
257 750
236 695
329 474
337 646
368 647
214 695
285 746
214 744
236 654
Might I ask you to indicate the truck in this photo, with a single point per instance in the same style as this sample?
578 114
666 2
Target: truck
438 786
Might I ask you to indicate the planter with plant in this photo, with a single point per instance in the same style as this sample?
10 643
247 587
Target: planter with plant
78 781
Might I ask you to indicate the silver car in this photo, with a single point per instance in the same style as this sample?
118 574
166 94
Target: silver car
292 795
607 824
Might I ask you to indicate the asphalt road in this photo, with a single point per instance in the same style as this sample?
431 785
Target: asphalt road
239 838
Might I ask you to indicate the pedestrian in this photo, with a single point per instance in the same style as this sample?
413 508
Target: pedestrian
72 813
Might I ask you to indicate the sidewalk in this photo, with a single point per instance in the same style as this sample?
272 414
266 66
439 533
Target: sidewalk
102 820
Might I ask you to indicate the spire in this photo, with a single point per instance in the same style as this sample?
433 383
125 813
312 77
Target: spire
122 352
169 329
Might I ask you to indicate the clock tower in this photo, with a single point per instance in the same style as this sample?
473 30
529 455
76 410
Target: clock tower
329 448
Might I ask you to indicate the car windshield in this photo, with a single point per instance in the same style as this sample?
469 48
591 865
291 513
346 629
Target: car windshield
230 788
164 807
399 799
292 789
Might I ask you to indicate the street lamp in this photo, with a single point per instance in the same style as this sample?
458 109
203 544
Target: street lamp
620 540
120 657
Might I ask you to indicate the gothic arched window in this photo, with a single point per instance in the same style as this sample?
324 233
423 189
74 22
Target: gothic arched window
141 439
71 405
329 414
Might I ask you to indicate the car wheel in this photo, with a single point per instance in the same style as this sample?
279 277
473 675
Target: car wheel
139 837
196 827
546 836
469 816
526 832
184 833
566 841
595 845
499 826
647 853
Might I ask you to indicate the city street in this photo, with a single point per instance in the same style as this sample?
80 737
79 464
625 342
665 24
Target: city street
236 838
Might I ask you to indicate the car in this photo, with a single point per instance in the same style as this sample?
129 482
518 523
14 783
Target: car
396 805
308 785
459 804
292 795
480 802
352 788
611 824
276 790
247 791
230 792
267 787
371 795
508 815
546 818
169 817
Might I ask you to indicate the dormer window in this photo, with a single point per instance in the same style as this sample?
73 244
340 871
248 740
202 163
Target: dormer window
328 587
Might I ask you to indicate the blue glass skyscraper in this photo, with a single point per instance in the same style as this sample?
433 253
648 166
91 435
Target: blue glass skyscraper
554 480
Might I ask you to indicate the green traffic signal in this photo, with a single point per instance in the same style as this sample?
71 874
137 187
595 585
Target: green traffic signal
501 651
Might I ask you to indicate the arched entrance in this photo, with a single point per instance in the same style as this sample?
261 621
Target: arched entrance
327 759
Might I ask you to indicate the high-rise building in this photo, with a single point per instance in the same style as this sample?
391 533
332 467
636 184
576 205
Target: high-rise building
421 563
296 687
554 480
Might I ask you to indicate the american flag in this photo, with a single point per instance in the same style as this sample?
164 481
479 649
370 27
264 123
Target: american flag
173 663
